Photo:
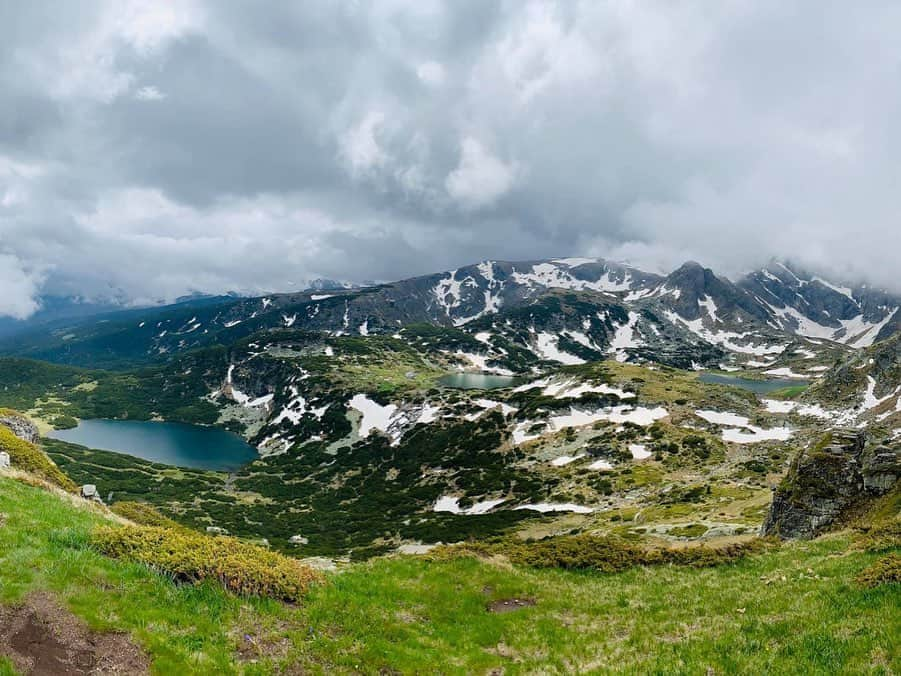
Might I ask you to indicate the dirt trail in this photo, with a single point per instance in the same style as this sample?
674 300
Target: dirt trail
44 639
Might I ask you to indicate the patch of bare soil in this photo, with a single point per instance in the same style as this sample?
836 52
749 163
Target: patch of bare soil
44 639
509 605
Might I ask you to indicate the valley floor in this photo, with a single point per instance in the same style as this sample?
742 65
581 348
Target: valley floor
794 610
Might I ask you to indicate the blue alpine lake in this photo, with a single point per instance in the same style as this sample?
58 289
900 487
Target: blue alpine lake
163 442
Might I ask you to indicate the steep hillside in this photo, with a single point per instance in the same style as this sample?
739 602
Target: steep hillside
452 614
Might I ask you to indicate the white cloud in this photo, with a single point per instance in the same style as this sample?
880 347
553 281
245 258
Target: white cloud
480 179
296 136
20 288
149 93
85 62
149 25
360 145
431 73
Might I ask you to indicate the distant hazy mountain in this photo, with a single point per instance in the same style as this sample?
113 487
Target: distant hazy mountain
56 308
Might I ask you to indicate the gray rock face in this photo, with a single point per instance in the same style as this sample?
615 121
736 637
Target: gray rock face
881 468
826 482
21 427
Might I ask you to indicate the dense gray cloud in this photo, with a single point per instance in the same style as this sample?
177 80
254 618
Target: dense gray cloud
152 149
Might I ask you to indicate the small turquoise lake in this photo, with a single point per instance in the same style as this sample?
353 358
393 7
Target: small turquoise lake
168 443
757 386
477 381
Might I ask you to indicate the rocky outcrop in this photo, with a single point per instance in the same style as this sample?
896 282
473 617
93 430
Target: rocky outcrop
22 427
880 469
838 475
89 492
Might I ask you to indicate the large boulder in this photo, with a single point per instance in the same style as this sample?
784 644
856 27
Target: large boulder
839 474
4 460
90 492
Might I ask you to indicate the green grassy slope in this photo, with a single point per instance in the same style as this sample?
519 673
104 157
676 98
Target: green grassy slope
796 610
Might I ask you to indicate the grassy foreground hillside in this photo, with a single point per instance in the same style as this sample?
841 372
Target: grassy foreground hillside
796 609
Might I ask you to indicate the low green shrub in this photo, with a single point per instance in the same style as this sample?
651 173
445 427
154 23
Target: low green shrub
881 537
193 557
692 530
27 457
886 570
601 553
143 514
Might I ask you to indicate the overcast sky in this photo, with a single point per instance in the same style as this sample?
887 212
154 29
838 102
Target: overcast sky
151 149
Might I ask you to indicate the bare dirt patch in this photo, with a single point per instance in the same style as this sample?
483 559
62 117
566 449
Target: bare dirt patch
44 639
509 605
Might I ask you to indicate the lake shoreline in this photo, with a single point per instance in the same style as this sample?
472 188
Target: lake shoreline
170 443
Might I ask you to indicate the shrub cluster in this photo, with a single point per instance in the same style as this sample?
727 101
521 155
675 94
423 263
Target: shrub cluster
192 557
143 514
29 458
881 537
605 554
886 570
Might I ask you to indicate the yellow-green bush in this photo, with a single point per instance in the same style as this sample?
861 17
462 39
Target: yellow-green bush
605 554
193 557
881 538
886 570
29 458
143 514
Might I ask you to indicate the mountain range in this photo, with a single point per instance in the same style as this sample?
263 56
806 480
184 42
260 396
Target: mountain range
566 310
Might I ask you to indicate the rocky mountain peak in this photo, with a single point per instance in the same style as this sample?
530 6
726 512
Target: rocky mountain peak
695 292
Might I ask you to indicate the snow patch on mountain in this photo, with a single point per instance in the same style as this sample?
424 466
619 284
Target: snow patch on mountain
236 395
639 452
429 414
739 430
547 348
564 460
375 416
778 406
616 414
545 507
452 505
624 338
552 276
567 389
725 339
870 400
480 362
784 372
855 332
861 333
448 291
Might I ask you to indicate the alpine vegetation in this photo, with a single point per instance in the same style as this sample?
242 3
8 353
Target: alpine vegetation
506 338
